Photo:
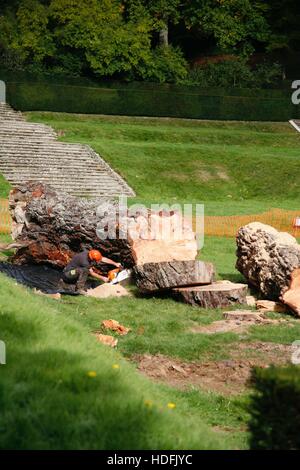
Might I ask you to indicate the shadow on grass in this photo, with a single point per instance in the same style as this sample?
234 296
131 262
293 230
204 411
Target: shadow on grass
48 401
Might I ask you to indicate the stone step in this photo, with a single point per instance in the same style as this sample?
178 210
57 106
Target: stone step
55 152
19 134
57 178
20 126
53 156
78 187
59 166
17 148
57 160
99 179
48 166
24 127
30 137
45 172
29 146
30 152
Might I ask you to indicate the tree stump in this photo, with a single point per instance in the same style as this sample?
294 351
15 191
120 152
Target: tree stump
152 277
270 261
52 226
216 295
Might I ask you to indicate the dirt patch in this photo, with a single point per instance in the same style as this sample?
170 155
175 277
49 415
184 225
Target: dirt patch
264 353
221 326
211 173
235 326
227 377
221 173
203 175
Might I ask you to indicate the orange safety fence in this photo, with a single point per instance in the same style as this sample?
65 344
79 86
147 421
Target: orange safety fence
5 218
227 226
220 226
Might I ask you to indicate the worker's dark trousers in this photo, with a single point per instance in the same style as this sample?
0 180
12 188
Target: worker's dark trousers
77 276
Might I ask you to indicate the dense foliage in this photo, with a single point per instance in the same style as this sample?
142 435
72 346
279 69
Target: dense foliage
150 40
275 409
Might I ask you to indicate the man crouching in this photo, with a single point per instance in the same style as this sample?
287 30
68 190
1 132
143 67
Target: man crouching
76 272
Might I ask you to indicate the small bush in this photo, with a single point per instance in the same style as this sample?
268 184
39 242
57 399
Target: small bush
167 66
275 409
236 73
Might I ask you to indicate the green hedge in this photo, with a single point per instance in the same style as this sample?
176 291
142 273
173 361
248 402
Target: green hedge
275 409
140 99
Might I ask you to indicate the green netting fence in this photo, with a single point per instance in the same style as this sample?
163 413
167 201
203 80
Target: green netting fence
146 99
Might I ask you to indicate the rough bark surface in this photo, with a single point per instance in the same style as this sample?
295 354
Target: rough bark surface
216 295
152 277
52 226
270 261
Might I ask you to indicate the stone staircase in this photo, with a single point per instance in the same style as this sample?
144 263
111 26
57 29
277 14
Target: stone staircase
31 152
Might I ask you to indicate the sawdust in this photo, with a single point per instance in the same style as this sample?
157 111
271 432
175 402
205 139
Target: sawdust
107 290
56 296
227 377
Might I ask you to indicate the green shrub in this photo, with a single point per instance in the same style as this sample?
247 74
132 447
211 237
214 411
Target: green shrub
236 73
40 92
275 409
167 66
152 100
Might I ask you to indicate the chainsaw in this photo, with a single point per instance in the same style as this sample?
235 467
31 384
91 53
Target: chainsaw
118 275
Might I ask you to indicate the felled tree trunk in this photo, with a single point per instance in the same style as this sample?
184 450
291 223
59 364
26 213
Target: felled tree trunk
152 277
270 261
216 295
52 226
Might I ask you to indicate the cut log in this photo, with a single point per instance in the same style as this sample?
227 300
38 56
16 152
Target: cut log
216 295
153 277
244 315
270 261
52 227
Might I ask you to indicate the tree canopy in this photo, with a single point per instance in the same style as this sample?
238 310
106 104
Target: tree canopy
141 39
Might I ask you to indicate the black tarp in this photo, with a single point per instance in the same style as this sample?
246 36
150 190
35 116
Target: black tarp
42 277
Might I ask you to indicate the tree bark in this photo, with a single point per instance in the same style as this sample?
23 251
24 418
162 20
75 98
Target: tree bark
270 261
153 277
216 295
164 36
53 226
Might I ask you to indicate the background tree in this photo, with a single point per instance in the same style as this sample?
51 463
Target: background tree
235 25
143 39
284 19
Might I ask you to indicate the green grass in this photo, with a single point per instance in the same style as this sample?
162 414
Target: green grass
46 398
233 167
4 187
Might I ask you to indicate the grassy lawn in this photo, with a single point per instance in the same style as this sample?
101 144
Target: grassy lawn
47 399
4 187
233 168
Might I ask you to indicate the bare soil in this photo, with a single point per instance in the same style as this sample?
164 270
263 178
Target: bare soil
236 326
227 377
